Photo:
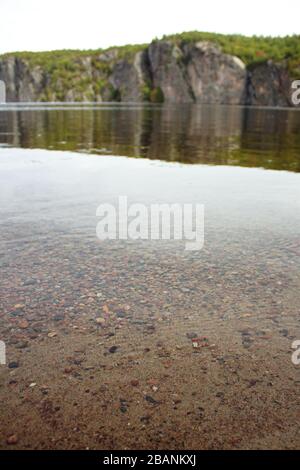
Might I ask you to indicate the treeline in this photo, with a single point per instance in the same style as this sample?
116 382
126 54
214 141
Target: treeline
251 49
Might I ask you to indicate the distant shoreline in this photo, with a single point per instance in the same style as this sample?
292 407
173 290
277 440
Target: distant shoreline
190 67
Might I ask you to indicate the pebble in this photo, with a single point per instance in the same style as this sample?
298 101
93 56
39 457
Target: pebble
13 365
58 317
151 400
135 383
12 440
52 334
120 314
23 324
22 344
30 282
123 405
177 401
192 335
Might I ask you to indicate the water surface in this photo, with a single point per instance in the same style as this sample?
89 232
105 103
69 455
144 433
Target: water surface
226 135
241 292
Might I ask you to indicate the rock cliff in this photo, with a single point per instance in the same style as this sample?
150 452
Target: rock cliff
163 71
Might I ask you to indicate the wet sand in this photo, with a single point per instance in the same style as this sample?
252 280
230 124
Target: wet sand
99 334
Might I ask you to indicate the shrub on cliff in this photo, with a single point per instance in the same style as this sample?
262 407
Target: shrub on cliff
156 95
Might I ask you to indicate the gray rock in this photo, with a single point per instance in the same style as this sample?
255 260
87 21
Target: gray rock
129 78
169 72
215 77
268 85
175 73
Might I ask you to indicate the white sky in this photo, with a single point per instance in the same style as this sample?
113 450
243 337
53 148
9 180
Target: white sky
89 24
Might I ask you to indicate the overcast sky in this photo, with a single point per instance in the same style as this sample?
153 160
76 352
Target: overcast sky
89 24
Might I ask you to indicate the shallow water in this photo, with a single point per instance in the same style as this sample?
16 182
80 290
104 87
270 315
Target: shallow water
241 292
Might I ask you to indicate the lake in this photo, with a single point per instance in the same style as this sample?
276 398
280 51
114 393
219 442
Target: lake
215 135
141 343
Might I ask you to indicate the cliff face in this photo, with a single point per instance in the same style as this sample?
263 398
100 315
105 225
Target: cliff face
195 72
268 85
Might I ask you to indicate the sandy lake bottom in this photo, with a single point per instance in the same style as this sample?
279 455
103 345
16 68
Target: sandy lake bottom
99 335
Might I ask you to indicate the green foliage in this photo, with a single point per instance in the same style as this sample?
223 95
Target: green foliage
101 66
115 94
128 52
146 92
156 95
250 49
100 86
66 69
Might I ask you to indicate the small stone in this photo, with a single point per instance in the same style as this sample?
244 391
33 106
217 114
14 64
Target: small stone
120 314
192 335
19 306
151 400
284 332
30 282
52 334
100 321
13 365
252 382
135 383
12 382
58 318
113 349
23 324
22 344
12 440
145 419
123 405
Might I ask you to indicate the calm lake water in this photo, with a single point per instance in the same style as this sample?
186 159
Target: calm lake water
217 135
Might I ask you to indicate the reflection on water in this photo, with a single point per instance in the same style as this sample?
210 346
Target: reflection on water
224 135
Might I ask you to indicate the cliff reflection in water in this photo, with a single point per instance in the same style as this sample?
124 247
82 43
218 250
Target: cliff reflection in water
253 137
